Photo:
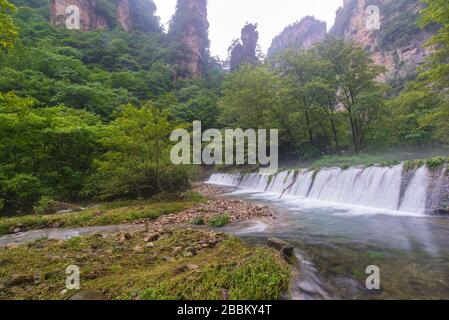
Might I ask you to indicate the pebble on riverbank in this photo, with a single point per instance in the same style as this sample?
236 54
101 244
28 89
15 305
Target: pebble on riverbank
235 209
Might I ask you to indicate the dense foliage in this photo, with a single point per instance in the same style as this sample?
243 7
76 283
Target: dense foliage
9 31
68 101
87 115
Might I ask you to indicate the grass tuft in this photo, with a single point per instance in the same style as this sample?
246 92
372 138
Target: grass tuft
219 221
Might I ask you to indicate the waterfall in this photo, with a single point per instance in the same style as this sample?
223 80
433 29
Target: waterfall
280 181
255 181
231 180
372 187
302 185
376 187
415 197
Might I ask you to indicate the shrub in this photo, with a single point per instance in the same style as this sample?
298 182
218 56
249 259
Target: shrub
44 206
198 221
219 221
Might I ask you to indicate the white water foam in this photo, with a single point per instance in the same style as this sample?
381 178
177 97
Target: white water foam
369 188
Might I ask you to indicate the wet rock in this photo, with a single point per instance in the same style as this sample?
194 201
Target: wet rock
443 211
169 259
18 280
138 249
181 269
193 267
88 295
56 225
125 237
282 246
177 250
150 245
152 237
4 262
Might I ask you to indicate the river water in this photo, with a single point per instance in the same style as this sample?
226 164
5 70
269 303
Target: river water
335 243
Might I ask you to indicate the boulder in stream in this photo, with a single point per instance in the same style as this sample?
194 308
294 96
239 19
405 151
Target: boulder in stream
283 247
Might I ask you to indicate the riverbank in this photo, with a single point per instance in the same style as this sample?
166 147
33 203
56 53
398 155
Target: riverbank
175 264
202 203
114 213
162 258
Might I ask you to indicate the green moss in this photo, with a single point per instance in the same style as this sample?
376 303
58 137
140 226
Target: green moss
345 162
436 162
389 163
432 164
413 164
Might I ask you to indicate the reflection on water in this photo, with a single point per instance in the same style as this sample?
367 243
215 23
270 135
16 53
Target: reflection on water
337 243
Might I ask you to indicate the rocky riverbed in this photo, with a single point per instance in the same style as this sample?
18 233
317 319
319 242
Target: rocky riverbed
237 210
217 204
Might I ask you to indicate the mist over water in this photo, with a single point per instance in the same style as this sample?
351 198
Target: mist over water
341 221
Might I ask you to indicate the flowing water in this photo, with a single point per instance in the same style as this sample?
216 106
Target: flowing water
342 221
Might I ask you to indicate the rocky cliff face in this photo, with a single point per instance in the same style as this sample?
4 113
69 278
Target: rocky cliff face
124 15
244 50
396 43
189 31
103 15
89 19
301 35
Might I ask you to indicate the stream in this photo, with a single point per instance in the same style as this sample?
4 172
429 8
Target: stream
334 244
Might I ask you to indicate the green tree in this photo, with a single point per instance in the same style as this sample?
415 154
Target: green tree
419 117
437 69
355 81
137 163
43 152
8 31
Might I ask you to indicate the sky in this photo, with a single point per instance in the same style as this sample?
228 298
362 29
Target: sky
227 18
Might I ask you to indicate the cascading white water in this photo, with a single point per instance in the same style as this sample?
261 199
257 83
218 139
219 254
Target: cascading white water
415 197
225 179
255 181
301 187
280 181
372 187
377 187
